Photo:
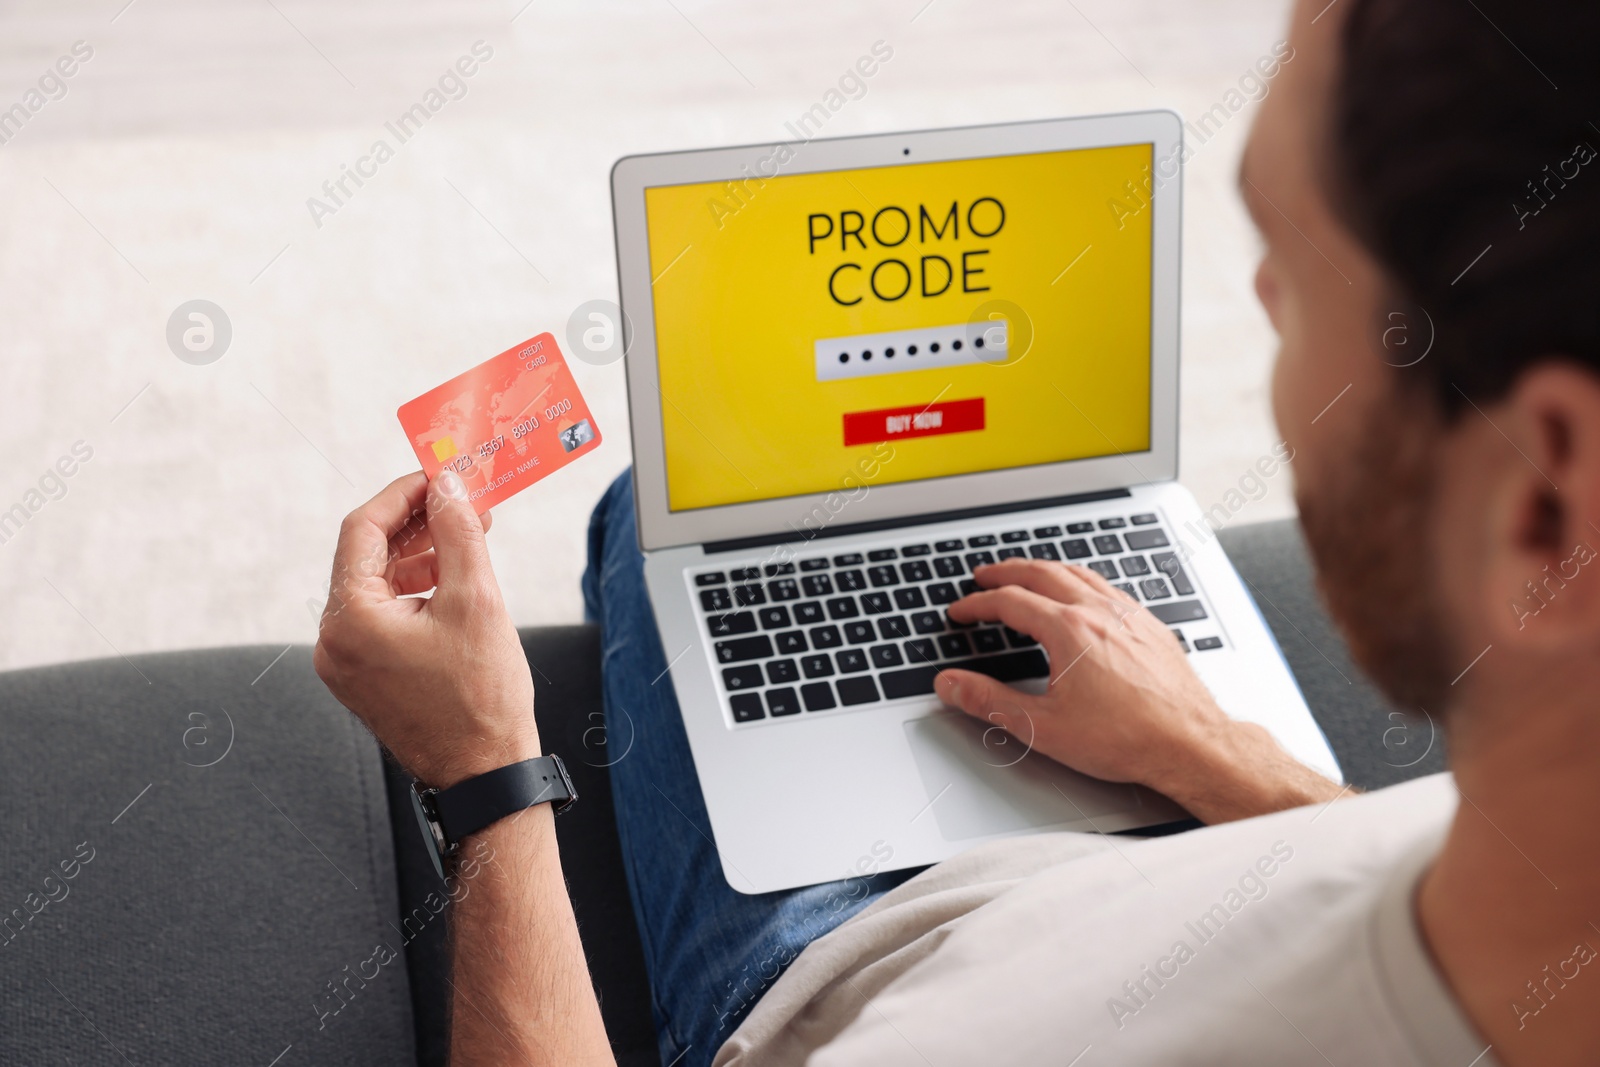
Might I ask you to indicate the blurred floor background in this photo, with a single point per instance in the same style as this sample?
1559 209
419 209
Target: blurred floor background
178 164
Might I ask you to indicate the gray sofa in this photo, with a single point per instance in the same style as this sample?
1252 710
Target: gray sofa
208 861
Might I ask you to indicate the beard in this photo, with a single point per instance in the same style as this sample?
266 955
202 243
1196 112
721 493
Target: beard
1367 525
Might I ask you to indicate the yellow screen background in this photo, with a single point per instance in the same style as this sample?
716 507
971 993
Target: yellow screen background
740 300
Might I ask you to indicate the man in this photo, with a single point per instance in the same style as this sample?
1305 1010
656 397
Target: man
1416 160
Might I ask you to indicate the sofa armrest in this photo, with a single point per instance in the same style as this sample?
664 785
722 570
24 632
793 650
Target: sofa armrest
231 890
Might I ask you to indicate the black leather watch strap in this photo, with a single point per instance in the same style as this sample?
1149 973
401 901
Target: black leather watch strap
469 806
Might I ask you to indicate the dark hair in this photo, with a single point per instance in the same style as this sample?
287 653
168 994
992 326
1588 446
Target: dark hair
1462 126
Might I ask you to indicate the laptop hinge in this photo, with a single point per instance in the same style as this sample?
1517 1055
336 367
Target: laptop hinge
739 544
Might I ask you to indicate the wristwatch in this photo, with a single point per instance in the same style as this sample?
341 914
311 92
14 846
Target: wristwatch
447 816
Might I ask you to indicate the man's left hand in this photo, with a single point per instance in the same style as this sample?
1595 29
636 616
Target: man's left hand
441 680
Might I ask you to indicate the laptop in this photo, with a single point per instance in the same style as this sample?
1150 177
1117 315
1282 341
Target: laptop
858 368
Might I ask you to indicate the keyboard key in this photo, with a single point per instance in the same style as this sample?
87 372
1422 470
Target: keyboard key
981 541
857 690
1105 569
894 626
1143 520
842 607
818 696
747 707
927 622
849 559
774 569
732 624
878 555
747 596
710 578
1043 550
851 660
1134 566
978 559
1126 587
921 650
780 671
968 587
792 643
886 656
1080 527
942 593
882 576
909 599
915 550
1012 667
782 702
1018 640
1010 553
949 567
859 633
820 666
1140 540
807 613
1047 532
1011 537
744 648
948 621
955 646
1113 524
826 637
775 618
874 603
916 571
746 677
1181 642
988 640
1206 644
1179 611
744 574
783 589
948 546
1167 563
715 600
813 565
850 581
817 585
1154 589
1077 548
1108 544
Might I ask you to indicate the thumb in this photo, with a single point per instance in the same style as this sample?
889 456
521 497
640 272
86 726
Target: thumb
991 702
457 533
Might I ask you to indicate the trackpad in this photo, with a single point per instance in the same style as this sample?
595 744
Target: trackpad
981 780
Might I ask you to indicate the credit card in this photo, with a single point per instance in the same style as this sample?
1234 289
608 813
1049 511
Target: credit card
504 424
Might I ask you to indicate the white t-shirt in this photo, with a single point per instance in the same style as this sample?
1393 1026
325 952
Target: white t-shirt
1286 939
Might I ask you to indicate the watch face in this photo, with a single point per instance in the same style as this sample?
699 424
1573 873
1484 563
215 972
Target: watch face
428 835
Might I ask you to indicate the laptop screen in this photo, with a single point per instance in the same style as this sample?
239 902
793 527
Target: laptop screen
819 332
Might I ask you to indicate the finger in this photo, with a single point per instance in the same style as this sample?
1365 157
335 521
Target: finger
463 558
1045 577
1019 608
415 538
990 701
362 556
414 574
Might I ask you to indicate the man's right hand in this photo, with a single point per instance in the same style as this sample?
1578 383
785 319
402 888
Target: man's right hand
1123 704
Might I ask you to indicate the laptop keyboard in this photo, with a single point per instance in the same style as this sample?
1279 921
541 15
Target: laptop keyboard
825 632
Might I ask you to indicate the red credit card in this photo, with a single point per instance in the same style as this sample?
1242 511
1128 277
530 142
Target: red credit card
504 424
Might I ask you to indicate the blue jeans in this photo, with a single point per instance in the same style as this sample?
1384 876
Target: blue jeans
710 951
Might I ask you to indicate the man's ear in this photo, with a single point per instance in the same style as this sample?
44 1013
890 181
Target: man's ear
1544 553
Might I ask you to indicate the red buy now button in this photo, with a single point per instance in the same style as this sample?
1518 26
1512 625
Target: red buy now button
917 420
